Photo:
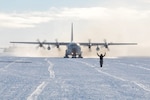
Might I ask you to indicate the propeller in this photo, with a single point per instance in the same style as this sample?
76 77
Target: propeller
57 45
41 44
89 45
106 44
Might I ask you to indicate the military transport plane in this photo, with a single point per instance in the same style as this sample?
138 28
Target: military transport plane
73 48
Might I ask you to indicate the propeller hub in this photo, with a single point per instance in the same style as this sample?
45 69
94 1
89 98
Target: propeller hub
97 48
41 43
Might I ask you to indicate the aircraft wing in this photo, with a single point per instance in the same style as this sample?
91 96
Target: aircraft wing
97 44
65 43
122 43
26 42
92 44
45 43
56 43
105 44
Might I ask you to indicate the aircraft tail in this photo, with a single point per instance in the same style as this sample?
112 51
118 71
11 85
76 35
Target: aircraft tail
72 32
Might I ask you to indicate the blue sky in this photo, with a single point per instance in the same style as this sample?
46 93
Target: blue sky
115 20
28 5
38 5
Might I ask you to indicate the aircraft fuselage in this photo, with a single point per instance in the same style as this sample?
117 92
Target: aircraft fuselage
74 50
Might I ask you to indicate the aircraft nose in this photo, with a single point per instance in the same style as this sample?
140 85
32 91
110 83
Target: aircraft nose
74 51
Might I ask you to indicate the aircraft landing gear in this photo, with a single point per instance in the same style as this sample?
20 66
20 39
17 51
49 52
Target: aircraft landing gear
66 55
74 56
80 56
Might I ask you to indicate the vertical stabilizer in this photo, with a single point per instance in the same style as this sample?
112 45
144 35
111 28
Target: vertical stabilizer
72 32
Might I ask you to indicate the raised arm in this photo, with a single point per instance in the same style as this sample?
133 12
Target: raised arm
105 54
98 54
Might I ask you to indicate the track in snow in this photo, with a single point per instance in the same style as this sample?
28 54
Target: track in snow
41 87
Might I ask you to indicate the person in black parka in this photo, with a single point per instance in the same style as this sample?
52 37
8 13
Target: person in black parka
101 58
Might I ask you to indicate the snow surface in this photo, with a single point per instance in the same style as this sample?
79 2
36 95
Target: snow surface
74 79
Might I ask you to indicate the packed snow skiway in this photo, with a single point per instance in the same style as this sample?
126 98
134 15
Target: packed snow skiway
27 78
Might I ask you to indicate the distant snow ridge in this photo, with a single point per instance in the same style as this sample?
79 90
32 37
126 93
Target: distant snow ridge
8 65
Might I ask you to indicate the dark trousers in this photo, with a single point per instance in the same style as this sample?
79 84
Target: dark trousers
101 63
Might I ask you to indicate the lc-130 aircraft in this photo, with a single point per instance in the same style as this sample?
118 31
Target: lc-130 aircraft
73 48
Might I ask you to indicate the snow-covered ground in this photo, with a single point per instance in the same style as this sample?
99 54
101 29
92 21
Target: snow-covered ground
74 79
